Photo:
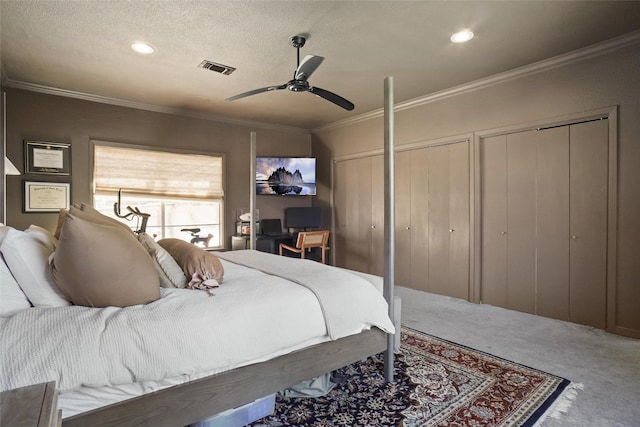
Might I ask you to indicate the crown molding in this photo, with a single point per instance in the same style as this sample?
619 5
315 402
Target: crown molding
537 67
48 90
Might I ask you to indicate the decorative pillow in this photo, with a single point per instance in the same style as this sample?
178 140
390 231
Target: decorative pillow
171 275
43 235
3 232
27 256
61 216
100 265
88 213
202 268
13 299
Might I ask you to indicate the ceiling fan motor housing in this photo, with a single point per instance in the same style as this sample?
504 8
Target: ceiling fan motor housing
298 85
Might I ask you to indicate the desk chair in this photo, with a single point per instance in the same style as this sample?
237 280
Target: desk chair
308 240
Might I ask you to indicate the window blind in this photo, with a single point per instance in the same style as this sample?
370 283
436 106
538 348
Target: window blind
157 173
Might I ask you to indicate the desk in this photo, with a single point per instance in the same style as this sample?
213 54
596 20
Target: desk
264 243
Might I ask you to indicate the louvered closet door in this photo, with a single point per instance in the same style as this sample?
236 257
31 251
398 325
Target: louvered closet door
588 262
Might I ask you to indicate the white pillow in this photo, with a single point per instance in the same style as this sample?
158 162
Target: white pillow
12 299
27 256
3 232
170 273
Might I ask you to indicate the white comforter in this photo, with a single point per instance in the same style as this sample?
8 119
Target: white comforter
253 316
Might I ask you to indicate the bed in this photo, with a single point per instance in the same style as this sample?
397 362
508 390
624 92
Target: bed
272 323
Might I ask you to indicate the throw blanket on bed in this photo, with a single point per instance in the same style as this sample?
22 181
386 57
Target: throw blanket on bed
336 289
253 317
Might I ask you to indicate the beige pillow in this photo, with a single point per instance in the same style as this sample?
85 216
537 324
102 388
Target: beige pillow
90 214
61 216
100 265
87 213
171 274
202 268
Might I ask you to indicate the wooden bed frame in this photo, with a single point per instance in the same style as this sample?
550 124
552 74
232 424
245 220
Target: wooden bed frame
200 399
197 400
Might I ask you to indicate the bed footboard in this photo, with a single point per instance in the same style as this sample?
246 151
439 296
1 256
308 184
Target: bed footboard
190 402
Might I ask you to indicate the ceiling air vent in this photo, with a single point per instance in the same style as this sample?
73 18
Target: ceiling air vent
218 68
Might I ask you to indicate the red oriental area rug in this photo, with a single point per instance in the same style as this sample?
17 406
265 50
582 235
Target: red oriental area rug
437 383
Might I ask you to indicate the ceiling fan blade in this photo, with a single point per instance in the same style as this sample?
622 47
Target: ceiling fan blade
256 91
330 96
308 66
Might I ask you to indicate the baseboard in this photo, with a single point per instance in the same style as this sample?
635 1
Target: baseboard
627 332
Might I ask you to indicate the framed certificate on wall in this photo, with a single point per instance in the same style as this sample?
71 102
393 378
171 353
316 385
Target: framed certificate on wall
46 196
47 158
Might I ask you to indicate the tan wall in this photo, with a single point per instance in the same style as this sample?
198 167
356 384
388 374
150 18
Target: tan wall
594 83
41 117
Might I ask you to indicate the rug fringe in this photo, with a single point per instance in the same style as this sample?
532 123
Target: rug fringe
562 403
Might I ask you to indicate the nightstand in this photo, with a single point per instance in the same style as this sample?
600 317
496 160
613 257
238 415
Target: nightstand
34 405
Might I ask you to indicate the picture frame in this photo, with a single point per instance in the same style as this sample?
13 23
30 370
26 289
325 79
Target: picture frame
46 196
47 158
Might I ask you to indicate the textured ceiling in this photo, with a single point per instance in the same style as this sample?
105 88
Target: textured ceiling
83 47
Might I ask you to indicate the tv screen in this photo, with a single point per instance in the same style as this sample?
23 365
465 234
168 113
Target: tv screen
308 217
290 176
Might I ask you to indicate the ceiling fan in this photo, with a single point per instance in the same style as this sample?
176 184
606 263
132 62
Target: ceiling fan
300 82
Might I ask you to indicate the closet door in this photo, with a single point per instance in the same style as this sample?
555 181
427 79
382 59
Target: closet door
493 249
521 221
448 220
438 220
376 259
459 220
403 218
339 239
359 214
419 227
552 222
545 193
353 213
588 262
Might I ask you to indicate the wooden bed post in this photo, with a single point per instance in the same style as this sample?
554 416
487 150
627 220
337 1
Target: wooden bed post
389 219
252 192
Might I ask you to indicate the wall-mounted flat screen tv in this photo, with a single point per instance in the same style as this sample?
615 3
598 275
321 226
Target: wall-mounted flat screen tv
289 176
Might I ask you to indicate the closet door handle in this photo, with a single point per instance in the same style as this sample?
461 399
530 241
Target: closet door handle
451 230
373 226
503 233
408 228
574 237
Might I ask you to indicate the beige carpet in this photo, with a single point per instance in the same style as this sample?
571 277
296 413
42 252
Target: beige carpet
606 365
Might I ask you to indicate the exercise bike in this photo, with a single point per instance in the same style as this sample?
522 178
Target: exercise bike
196 237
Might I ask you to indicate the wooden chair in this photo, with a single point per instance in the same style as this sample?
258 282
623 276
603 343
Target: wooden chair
308 240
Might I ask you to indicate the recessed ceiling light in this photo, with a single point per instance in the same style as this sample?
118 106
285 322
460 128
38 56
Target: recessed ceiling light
462 36
143 48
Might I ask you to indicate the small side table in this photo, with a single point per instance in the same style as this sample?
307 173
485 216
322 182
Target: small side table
34 405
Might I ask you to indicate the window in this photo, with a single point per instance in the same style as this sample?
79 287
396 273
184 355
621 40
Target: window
178 190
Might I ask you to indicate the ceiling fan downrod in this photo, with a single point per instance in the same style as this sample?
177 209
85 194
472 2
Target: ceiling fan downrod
298 42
